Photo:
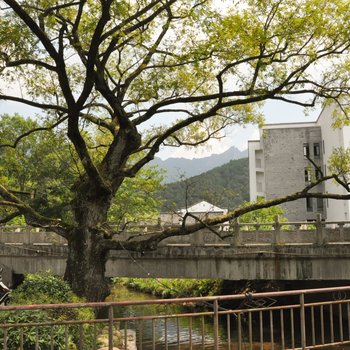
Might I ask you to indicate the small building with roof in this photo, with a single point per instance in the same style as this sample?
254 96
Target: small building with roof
201 210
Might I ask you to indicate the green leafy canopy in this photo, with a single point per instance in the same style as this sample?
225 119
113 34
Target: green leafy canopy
43 168
117 80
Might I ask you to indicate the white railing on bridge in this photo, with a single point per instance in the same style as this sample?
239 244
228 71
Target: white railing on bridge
234 233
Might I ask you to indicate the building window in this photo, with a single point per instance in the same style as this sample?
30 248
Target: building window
317 150
318 174
307 174
309 204
306 150
319 204
323 146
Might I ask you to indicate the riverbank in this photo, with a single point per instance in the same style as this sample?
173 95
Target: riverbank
172 288
154 329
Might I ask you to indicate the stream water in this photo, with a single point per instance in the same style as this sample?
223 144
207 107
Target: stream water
177 332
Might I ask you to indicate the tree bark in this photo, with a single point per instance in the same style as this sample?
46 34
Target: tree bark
86 265
87 255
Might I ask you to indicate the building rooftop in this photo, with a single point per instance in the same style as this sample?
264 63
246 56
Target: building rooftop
204 207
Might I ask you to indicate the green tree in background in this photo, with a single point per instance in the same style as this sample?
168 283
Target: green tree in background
39 169
151 73
263 215
138 199
42 169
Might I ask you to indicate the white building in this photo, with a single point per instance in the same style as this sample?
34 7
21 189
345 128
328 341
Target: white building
204 208
201 210
278 165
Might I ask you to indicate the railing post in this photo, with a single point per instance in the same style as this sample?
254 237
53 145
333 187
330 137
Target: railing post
319 230
235 229
110 327
341 231
277 230
302 321
216 325
159 223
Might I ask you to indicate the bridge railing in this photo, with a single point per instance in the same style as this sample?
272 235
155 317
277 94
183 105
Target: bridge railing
232 233
278 232
19 235
300 319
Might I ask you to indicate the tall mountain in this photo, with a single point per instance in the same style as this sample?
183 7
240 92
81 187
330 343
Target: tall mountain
226 186
183 167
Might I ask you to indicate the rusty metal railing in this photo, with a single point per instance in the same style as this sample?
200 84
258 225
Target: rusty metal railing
300 319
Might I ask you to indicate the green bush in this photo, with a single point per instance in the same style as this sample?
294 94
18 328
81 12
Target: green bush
173 288
43 334
45 289
42 288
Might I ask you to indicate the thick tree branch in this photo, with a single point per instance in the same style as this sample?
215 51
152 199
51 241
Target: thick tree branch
151 240
9 217
98 121
342 183
44 106
93 52
28 61
28 20
80 146
186 122
51 9
145 61
29 132
32 217
130 19
49 47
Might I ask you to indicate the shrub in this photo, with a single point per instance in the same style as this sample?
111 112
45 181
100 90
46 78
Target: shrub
173 288
44 288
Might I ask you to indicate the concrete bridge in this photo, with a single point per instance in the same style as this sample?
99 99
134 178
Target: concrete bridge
276 251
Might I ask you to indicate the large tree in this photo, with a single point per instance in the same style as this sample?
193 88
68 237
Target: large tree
149 73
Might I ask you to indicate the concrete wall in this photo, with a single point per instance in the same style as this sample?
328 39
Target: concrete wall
333 138
302 262
318 254
285 166
256 170
245 263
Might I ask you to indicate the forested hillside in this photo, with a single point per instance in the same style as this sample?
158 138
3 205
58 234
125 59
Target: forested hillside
176 167
225 186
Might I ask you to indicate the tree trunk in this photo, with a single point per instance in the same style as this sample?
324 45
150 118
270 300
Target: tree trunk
86 265
87 256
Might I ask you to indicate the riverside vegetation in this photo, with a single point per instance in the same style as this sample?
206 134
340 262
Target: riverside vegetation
44 288
172 288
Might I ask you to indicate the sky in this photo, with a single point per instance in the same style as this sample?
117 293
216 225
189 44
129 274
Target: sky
274 111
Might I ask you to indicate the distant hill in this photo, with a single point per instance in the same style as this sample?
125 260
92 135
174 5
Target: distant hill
179 167
226 186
